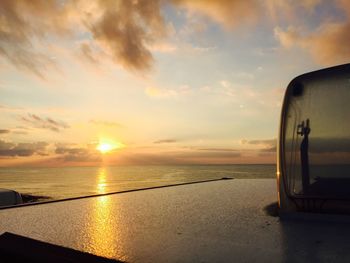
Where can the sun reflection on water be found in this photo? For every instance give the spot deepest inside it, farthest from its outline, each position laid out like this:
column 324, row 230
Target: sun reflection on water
column 104, row 230
column 101, row 180
column 104, row 226
column 101, row 230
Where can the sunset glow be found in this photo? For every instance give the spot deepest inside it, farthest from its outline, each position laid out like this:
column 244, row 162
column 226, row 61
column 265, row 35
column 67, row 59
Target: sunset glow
column 105, row 147
column 108, row 146
column 179, row 82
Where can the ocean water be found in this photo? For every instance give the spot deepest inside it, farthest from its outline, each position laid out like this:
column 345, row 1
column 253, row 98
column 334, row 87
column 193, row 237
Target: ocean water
column 66, row 182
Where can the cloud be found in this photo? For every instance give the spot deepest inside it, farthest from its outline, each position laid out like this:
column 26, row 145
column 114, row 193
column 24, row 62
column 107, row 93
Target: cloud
column 271, row 149
column 163, row 47
column 20, row 130
column 289, row 10
column 88, row 53
column 121, row 30
column 159, row 93
column 64, row 150
column 328, row 44
column 260, row 142
column 10, row 108
column 229, row 13
column 269, row 145
column 22, row 149
column 44, row 123
column 105, row 123
column 244, row 75
column 77, row 154
column 124, row 31
column 310, row 4
column 154, row 92
column 22, row 24
column 239, row 93
column 165, row 141
column 127, row 32
column 218, row 149
column 4, row 131
column 213, row 153
column 194, row 156
column 225, row 83
column 288, row 37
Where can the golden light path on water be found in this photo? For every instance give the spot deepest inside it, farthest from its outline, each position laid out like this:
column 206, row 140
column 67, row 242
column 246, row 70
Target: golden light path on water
column 101, row 180
column 104, row 228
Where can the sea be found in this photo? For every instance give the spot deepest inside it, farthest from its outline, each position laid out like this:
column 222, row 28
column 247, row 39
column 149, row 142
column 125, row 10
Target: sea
column 69, row 182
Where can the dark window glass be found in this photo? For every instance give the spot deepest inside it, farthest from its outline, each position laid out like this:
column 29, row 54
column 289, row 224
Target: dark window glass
column 317, row 136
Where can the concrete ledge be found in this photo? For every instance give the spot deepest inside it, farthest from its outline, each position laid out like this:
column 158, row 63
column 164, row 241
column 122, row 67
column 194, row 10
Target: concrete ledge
column 222, row 221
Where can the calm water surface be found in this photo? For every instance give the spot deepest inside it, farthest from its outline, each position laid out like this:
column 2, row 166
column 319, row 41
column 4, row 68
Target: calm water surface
column 67, row 182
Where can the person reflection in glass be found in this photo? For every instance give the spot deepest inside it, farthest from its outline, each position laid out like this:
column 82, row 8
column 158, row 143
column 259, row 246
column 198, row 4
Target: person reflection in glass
column 304, row 130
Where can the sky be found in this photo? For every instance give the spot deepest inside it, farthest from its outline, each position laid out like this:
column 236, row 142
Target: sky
column 134, row 82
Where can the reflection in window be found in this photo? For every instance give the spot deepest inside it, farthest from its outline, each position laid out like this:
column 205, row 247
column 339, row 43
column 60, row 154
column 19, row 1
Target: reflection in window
column 317, row 138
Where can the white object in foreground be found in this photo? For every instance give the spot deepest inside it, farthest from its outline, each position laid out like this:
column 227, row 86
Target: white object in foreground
column 9, row 197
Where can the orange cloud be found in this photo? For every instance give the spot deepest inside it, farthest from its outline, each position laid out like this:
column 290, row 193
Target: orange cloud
column 128, row 31
column 327, row 45
column 229, row 13
column 120, row 28
column 22, row 24
column 124, row 31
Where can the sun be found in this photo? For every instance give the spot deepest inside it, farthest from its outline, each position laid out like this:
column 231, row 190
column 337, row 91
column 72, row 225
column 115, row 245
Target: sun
column 108, row 146
column 104, row 147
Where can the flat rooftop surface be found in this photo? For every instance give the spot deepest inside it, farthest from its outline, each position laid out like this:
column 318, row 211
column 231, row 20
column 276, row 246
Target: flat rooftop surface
column 222, row 221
